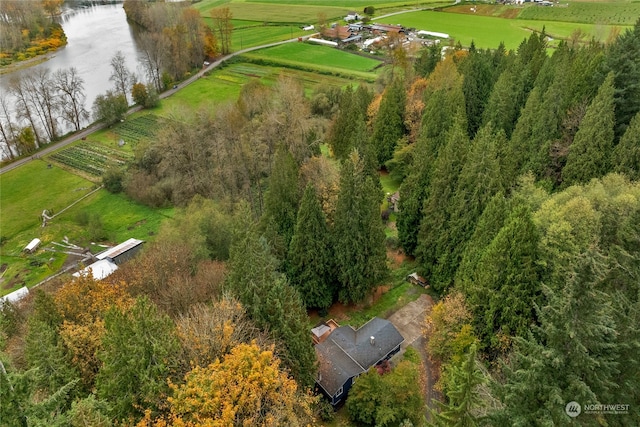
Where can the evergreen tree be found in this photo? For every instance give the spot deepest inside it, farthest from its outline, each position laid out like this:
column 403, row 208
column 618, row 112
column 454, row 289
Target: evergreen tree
column 447, row 168
column 310, row 256
column 358, row 233
column 139, row 354
column 270, row 301
column 444, row 99
column 389, row 122
column 281, row 198
column 428, row 60
column 462, row 393
column 490, row 223
column 589, row 154
column 571, row 356
column 622, row 59
column 507, row 280
column 479, row 180
column 44, row 349
column 478, row 82
column 626, row 155
column 351, row 116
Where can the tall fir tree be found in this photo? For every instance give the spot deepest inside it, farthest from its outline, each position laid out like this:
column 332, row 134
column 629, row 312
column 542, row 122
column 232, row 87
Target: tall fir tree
column 310, row 259
column 444, row 99
column 506, row 282
column 571, row 356
column 349, row 119
column 626, row 155
column 591, row 148
column 479, row 180
column 358, row 234
column 435, row 215
column 478, row 81
column 269, row 299
column 139, row 353
column 622, row 58
column 281, row 199
column 462, row 393
column 389, row 122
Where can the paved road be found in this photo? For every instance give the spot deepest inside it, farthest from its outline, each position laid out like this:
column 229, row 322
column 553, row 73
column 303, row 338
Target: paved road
column 97, row 126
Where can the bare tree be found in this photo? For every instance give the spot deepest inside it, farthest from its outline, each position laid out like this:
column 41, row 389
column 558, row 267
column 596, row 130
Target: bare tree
column 151, row 45
column 44, row 100
column 18, row 88
column 222, row 24
column 70, row 87
column 120, row 74
column 8, row 130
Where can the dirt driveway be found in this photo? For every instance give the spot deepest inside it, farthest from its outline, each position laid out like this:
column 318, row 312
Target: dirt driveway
column 409, row 321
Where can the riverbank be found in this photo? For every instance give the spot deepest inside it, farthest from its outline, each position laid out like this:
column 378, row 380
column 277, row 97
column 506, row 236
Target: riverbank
column 38, row 51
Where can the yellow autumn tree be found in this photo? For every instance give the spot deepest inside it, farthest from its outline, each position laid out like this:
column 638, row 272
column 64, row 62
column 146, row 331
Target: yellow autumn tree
column 246, row 388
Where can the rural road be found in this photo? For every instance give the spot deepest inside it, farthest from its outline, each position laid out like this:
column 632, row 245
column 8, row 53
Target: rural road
column 97, row 126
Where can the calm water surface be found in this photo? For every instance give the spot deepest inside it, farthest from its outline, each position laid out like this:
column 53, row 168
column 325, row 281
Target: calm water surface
column 94, row 35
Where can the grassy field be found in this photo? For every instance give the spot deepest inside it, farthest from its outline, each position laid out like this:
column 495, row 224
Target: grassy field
column 112, row 218
column 318, row 58
column 605, row 13
column 489, row 31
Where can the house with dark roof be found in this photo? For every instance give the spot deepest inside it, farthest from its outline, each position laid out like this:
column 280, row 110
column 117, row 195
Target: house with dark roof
column 346, row 353
column 122, row 252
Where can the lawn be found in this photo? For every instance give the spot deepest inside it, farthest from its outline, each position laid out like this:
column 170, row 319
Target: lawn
column 489, row 31
column 290, row 13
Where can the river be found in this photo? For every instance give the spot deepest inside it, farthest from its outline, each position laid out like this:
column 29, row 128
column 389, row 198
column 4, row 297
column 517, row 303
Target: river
column 94, row 34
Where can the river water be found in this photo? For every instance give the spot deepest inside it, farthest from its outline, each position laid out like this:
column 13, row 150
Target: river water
column 94, row 34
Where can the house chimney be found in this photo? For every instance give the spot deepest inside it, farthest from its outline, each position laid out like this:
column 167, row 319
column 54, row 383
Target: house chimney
column 372, row 340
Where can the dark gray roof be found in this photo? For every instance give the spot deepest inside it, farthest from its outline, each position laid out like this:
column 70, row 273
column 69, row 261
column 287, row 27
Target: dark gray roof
column 348, row 352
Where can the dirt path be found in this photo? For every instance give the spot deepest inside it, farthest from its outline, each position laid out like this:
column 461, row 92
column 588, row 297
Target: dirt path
column 409, row 320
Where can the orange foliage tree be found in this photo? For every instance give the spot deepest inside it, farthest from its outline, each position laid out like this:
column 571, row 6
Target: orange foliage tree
column 246, row 388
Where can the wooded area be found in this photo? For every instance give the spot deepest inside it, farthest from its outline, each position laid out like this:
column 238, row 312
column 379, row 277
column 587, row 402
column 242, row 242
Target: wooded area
column 519, row 200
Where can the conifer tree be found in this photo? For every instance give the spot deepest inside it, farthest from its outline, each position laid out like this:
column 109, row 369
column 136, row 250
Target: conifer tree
column 462, row 393
column 478, row 82
column 350, row 117
column 389, row 122
column 571, row 356
column 281, row 198
column 626, row 155
column 444, row 99
column 591, row 148
column 622, row 59
column 506, row 281
column 479, row 180
column 269, row 299
column 358, row 233
column 139, row 354
column 447, row 168
column 309, row 262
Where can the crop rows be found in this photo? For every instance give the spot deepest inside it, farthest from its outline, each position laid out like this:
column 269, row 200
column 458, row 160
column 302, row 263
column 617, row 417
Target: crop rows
column 134, row 130
column 89, row 158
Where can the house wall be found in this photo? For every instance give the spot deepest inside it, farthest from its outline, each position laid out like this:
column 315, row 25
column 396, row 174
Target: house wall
column 336, row 400
column 126, row 256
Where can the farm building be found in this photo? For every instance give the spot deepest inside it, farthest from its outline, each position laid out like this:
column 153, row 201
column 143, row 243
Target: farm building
column 346, row 353
column 433, row 34
column 321, row 41
column 99, row 269
column 339, row 32
column 122, row 252
column 353, row 16
column 387, row 28
column 15, row 296
column 32, row 246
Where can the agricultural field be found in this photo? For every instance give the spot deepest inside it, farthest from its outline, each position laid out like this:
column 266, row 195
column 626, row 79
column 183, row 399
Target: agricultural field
column 264, row 34
column 604, row 13
column 89, row 158
column 489, row 31
column 225, row 83
column 317, row 58
column 134, row 130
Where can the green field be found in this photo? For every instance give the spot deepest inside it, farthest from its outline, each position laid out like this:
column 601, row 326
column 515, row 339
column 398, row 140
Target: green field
column 609, row 13
column 323, row 59
column 489, row 31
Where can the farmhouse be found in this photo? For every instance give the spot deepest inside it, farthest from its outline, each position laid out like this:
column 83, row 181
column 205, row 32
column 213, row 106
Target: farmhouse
column 346, row 353
column 122, row 252
column 352, row 16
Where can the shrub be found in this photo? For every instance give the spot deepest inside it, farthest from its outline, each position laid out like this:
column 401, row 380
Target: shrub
column 369, row 10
